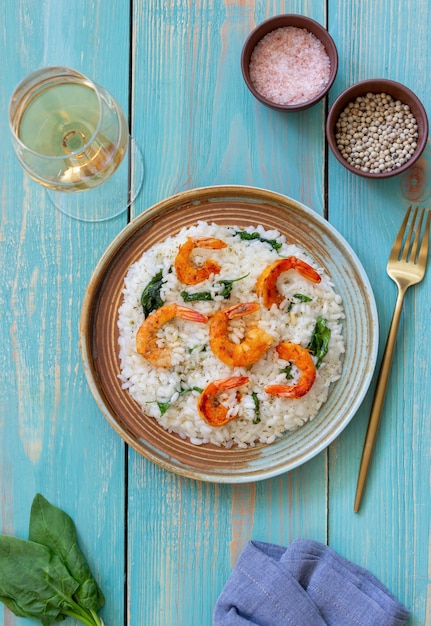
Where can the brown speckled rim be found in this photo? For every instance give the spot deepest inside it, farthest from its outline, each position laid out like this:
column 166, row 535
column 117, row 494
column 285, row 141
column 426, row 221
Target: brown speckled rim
column 297, row 21
column 398, row 92
column 240, row 206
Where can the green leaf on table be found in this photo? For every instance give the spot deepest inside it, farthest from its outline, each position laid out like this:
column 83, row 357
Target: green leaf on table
column 34, row 582
column 53, row 528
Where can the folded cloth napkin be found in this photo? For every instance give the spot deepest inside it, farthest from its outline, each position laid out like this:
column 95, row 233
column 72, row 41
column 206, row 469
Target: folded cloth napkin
column 306, row 584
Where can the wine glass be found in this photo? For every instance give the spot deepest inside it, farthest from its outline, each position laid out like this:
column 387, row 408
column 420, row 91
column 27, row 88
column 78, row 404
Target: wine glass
column 71, row 136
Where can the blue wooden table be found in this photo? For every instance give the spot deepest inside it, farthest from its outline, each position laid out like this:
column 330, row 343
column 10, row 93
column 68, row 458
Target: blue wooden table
column 162, row 546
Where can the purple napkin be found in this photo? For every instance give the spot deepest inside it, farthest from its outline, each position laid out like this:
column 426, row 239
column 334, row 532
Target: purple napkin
column 306, row 584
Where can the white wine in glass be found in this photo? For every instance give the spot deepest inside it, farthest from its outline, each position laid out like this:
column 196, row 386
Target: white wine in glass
column 70, row 135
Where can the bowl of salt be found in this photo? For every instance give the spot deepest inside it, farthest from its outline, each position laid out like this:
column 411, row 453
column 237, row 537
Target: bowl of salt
column 289, row 62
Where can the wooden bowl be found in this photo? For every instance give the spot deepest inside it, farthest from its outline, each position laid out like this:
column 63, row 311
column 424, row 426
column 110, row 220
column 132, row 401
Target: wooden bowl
column 281, row 21
column 377, row 86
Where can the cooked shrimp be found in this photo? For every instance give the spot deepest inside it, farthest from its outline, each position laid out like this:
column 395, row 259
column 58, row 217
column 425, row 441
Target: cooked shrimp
column 191, row 274
column 253, row 346
column 266, row 286
column 211, row 410
column 146, row 337
column 301, row 357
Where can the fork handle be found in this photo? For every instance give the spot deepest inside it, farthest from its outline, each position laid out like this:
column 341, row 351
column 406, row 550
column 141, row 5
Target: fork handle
column 378, row 400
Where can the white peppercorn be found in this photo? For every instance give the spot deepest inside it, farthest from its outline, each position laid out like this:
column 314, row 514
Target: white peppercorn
column 376, row 133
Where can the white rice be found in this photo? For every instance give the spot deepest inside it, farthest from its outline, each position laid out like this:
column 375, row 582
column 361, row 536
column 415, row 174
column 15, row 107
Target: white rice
column 194, row 364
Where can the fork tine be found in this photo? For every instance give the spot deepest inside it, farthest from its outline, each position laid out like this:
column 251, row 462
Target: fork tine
column 406, row 250
column 423, row 251
column 413, row 253
column 396, row 248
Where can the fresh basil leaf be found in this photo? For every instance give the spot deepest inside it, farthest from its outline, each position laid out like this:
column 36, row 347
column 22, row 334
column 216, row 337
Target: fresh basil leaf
column 196, row 297
column 163, row 406
column 245, row 236
column 34, row 582
column 228, row 286
column 198, row 389
column 301, row 297
column 288, row 371
column 53, row 528
column 256, row 419
column 319, row 342
column 150, row 297
column 225, row 283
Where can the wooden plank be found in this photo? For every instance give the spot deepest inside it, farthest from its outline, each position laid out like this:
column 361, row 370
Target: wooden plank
column 390, row 535
column 185, row 536
column 53, row 438
column 199, row 126
column 197, row 122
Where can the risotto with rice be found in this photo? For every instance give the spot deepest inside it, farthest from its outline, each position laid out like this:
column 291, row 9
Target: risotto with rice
column 170, row 357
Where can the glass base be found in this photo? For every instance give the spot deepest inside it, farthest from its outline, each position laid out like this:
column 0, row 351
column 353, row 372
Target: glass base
column 109, row 199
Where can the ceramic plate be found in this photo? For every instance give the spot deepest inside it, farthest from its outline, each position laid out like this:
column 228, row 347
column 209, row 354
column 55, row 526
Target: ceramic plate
column 239, row 206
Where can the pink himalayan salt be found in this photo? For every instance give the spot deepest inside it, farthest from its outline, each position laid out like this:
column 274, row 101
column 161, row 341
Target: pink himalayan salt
column 289, row 66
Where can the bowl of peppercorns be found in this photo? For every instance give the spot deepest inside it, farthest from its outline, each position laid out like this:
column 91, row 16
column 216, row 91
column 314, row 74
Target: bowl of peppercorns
column 377, row 128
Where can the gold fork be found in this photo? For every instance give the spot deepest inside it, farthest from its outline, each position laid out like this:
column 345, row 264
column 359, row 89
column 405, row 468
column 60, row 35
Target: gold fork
column 406, row 266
